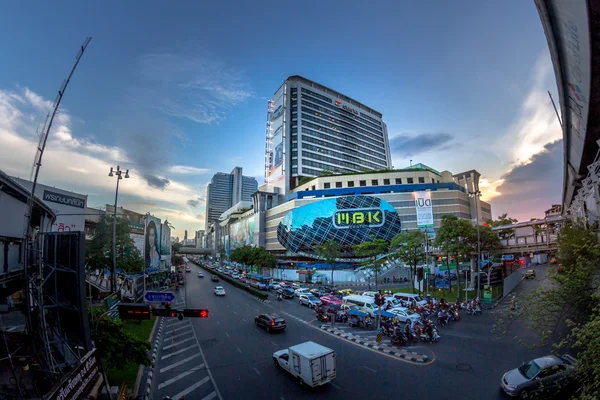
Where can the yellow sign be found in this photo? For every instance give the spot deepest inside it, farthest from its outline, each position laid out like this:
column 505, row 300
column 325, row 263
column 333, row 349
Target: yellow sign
column 370, row 217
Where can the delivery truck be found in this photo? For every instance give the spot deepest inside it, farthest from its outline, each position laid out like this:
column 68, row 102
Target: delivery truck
column 309, row 362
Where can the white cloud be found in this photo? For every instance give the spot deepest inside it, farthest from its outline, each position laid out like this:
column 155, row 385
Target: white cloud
column 78, row 163
column 187, row 170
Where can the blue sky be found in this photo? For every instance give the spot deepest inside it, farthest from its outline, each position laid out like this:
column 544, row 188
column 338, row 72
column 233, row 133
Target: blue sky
column 177, row 91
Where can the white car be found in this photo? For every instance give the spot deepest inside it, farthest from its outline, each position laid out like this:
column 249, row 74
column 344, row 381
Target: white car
column 309, row 300
column 219, row 291
column 370, row 294
column 404, row 314
column 235, row 275
column 301, row 291
column 200, row 275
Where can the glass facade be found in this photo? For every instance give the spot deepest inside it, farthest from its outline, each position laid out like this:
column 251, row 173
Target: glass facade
column 348, row 220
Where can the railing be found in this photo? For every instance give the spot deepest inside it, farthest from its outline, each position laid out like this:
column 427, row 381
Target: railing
column 531, row 241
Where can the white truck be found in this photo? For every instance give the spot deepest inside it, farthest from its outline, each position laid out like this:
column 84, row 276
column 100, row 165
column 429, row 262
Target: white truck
column 309, row 362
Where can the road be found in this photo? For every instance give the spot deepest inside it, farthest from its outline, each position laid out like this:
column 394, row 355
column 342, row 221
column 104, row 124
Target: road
column 226, row 357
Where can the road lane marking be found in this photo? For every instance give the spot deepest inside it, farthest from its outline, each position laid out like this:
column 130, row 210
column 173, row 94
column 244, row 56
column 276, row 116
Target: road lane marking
column 210, row 396
column 370, row 369
column 181, row 376
column 238, row 349
column 177, row 323
column 227, row 334
column 256, row 309
column 303, row 337
column 192, row 388
column 177, row 343
column 218, row 323
column 273, row 343
column 167, row 336
column 335, row 386
column 177, row 352
column 257, row 371
column 244, row 319
column 180, row 328
column 178, row 363
column 235, row 312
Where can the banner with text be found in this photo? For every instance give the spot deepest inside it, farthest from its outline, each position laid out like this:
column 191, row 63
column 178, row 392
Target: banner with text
column 424, row 208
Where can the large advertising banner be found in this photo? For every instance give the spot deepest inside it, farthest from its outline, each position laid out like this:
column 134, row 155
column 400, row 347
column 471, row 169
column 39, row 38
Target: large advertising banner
column 241, row 233
column 424, row 208
column 275, row 135
column 136, row 221
column 348, row 220
column 68, row 206
column 152, row 243
column 165, row 239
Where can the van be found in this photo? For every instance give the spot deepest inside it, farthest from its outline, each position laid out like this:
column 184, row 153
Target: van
column 364, row 303
column 409, row 297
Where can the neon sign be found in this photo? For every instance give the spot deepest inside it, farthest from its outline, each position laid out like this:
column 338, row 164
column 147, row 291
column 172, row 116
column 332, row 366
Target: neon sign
column 360, row 217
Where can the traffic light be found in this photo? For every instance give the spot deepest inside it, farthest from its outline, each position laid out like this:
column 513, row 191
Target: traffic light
column 134, row 311
column 194, row 313
column 164, row 312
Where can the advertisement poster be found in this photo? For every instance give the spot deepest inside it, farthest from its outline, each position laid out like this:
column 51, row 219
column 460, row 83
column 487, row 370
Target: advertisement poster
column 165, row 240
column 241, row 233
column 424, row 208
column 136, row 221
column 68, row 206
column 275, row 135
column 152, row 245
column 138, row 241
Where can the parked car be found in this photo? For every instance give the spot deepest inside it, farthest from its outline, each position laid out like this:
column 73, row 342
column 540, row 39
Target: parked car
column 214, row 278
column 271, row 322
column 309, row 300
column 287, row 292
column 319, row 292
column 301, row 291
column 548, row 373
column 219, row 291
column 530, row 274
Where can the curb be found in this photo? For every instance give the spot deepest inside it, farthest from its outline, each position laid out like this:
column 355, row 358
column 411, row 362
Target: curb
column 138, row 380
column 154, row 352
column 404, row 354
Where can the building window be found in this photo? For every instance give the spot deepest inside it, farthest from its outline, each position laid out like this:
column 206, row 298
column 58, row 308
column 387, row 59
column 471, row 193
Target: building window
column 313, row 187
column 386, row 181
column 432, row 180
column 338, row 184
column 398, row 181
column 350, row 183
column 327, row 185
column 421, row 179
column 363, row 183
column 438, row 181
column 409, row 180
column 374, row 182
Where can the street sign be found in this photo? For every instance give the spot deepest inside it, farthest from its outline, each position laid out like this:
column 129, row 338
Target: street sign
column 507, row 257
column 159, row 297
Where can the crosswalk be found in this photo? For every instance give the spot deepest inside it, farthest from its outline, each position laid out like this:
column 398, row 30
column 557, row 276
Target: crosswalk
column 181, row 368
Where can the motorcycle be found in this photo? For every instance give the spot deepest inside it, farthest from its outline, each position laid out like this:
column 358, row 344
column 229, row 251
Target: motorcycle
column 475, row 311
column 399, row 339
column 323, row 317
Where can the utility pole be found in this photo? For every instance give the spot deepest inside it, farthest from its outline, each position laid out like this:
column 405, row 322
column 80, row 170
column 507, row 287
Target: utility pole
column 113, row 273
column 476, row 195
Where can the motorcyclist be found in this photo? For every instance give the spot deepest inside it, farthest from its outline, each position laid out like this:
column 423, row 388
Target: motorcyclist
column 279, row 295
column 429, row 330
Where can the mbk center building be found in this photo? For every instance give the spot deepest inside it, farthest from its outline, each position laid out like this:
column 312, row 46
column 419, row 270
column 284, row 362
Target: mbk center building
column 328, row 175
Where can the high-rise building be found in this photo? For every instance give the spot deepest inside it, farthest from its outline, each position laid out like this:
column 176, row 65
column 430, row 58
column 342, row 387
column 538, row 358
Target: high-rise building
column 185, row 235
column 313, row 131
column 226, row 190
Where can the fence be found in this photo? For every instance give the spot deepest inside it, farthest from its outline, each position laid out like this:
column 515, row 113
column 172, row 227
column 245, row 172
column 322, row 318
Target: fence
column 512, row 281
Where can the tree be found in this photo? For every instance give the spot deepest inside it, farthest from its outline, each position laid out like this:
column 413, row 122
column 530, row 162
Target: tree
column 262, row 258
column 175, row 248
column 372, row 250
column 504, row 219
column 455, row 236
column 178, row 260
column 330, row 251
column 98, row 253
column 117, row 347
column 565, row 310
column 409, row 248
column 242, row 255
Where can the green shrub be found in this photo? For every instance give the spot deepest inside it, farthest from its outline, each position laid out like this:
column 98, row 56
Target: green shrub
column 258, row 293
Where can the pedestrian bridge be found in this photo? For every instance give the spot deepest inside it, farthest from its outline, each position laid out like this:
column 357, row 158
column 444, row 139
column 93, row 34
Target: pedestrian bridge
column 530, row 236
column 194, row 250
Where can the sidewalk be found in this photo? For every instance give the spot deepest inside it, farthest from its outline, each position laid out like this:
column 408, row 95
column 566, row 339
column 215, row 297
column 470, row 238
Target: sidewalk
column 384, row 348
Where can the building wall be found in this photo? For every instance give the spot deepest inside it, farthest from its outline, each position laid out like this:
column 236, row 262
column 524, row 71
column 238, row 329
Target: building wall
column 225, row 190
column 444, row 202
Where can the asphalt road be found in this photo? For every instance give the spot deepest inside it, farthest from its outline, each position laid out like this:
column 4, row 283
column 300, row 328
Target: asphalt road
column 235, row 361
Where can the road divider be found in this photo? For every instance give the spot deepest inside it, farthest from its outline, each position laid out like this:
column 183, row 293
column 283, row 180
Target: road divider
column 254, row 292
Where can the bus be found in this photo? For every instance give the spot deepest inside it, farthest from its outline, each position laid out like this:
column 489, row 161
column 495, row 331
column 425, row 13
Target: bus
column 258, row 281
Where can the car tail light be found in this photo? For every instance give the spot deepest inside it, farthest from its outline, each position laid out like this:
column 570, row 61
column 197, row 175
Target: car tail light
column 272, row 322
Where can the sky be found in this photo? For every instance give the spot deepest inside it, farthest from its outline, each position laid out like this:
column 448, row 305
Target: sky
column 177, row 91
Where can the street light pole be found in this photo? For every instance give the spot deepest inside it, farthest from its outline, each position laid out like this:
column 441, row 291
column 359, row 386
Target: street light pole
column 113, row 273
column 477, row 194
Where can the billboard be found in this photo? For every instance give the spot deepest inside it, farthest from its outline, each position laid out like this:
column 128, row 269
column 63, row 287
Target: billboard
column 424, row 208
column 136, row 221
column 349, row 220
column 276, row 136
column 68, row 206
column 165, row 239
column 152, row 243
column 241, row 233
